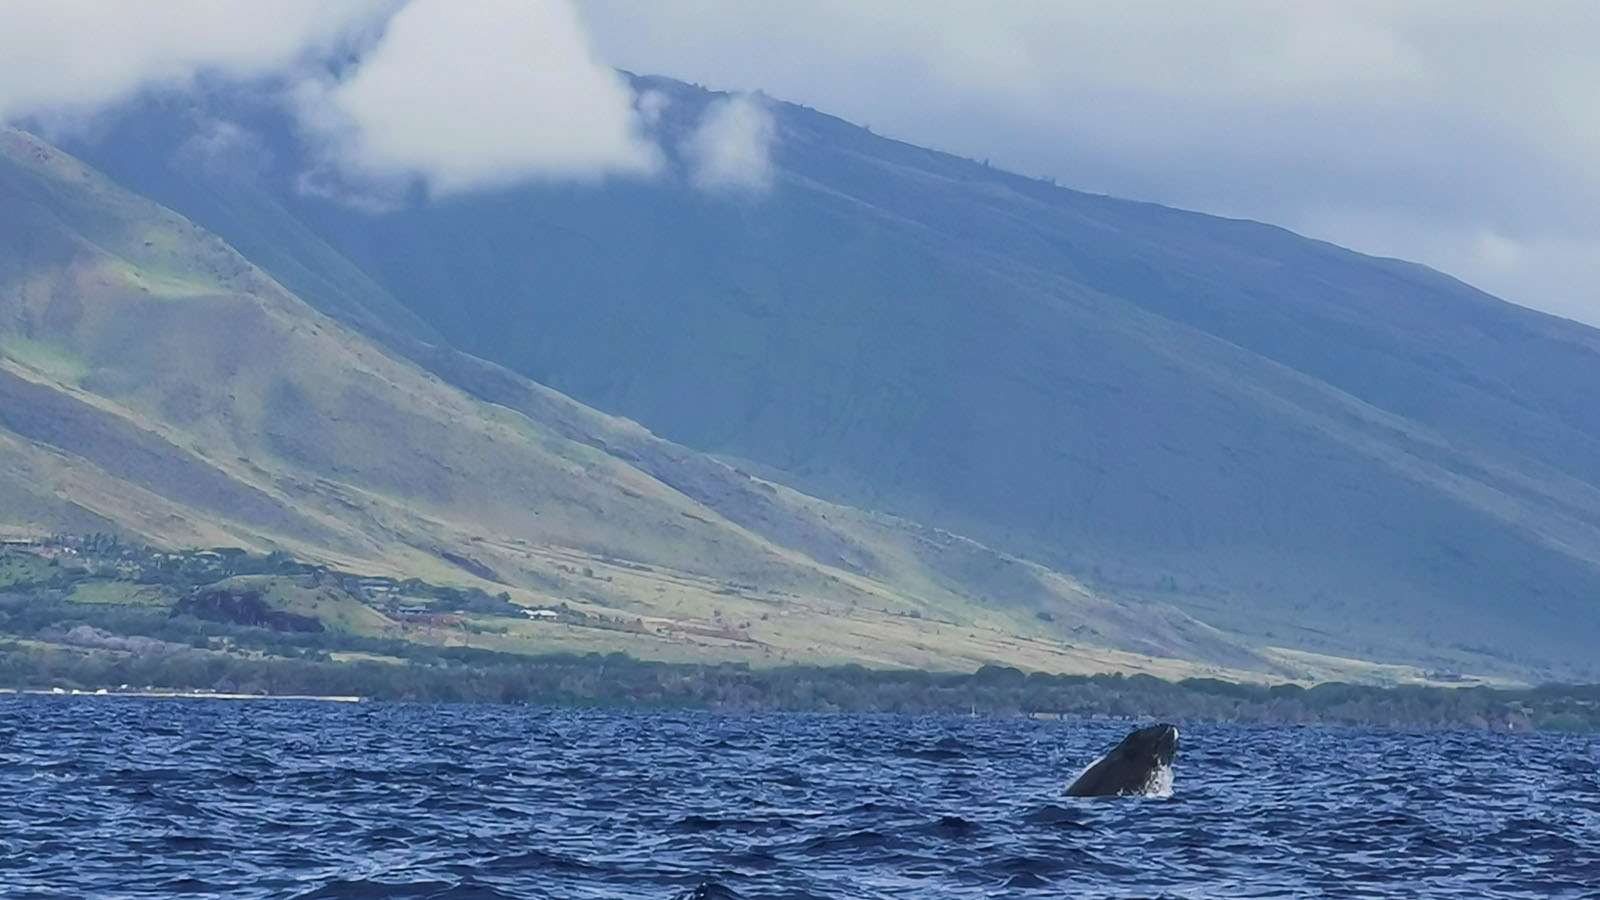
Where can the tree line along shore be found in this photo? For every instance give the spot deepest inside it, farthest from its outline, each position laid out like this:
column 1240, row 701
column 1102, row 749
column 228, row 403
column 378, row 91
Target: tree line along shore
column 615, row 680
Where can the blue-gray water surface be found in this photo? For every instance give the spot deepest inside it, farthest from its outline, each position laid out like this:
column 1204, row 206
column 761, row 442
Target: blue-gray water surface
column 121, row 797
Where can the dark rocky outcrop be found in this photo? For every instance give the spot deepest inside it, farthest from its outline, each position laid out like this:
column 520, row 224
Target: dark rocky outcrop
column 244, row 608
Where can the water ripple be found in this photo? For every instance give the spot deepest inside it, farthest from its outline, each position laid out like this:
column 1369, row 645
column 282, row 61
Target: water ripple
column 124, row 798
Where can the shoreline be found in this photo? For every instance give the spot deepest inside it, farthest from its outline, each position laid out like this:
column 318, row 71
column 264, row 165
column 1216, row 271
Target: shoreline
column 191, row 695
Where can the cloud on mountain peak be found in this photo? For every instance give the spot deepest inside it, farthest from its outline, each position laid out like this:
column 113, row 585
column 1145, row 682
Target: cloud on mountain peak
column 474, row 95
column 730, row 150
column 67, row 58
column 1400, row 127
column 459, row 95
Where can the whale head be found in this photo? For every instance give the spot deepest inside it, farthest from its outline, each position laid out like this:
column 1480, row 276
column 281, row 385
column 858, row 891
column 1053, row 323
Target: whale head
column 1154, row 746
column 1141, row 764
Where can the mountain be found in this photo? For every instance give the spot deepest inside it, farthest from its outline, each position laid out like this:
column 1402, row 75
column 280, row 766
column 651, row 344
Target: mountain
column 156, row 383
column 1294, row 442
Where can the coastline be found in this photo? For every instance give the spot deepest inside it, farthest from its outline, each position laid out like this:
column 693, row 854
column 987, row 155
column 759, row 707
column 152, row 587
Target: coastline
column 193, row 695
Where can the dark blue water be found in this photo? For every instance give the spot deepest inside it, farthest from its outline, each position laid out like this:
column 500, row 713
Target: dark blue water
column 117, row 797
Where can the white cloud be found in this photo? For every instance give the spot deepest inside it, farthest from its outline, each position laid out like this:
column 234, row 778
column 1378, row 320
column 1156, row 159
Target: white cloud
column 68, row 57
column 1421, row 114
column 652, row 105
column 1557, row 269
column 730, row 149
column 481, row 94
column 1498, row 251
column 1461, row 133
column 224, row 149
column 461, row 94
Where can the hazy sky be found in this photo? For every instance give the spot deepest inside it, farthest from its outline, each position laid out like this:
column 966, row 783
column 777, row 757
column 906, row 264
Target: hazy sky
column 1460, row 133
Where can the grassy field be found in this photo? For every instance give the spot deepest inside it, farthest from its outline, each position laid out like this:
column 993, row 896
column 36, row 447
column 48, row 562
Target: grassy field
column 124, row 593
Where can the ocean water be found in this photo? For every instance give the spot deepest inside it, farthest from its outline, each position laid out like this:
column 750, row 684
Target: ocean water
column 119, row 797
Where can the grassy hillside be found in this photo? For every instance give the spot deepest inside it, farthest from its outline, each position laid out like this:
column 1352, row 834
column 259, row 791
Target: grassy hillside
column 156, row 383
column 1323, row 450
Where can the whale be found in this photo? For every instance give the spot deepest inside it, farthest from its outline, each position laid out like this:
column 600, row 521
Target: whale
column 1139, row 766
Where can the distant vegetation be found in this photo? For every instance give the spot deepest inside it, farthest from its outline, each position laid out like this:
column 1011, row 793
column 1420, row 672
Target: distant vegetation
column 617, row 680
column 71, row 561
column 93, row 612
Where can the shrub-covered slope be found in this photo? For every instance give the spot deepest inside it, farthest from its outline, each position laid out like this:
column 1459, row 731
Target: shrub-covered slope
column 155, row 382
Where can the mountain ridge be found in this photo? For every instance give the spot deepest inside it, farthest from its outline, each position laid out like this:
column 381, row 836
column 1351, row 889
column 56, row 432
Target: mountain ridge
column 1324, row 450
column 154, row 382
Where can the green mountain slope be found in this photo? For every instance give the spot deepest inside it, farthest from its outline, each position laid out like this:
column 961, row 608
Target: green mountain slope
column 154, row 382
column 1317, row 448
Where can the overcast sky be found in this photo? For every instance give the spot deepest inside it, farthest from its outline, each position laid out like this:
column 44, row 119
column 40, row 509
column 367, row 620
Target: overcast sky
column 1459, row 133
column 1464, row 134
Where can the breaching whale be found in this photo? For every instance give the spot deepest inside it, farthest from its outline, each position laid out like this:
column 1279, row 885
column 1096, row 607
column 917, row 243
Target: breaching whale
column 1139, row 765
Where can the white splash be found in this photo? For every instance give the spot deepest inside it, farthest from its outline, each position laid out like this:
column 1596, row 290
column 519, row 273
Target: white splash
column 1159, row 784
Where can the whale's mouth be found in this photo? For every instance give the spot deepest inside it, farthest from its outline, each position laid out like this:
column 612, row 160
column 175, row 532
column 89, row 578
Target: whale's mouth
column 1166, row 745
